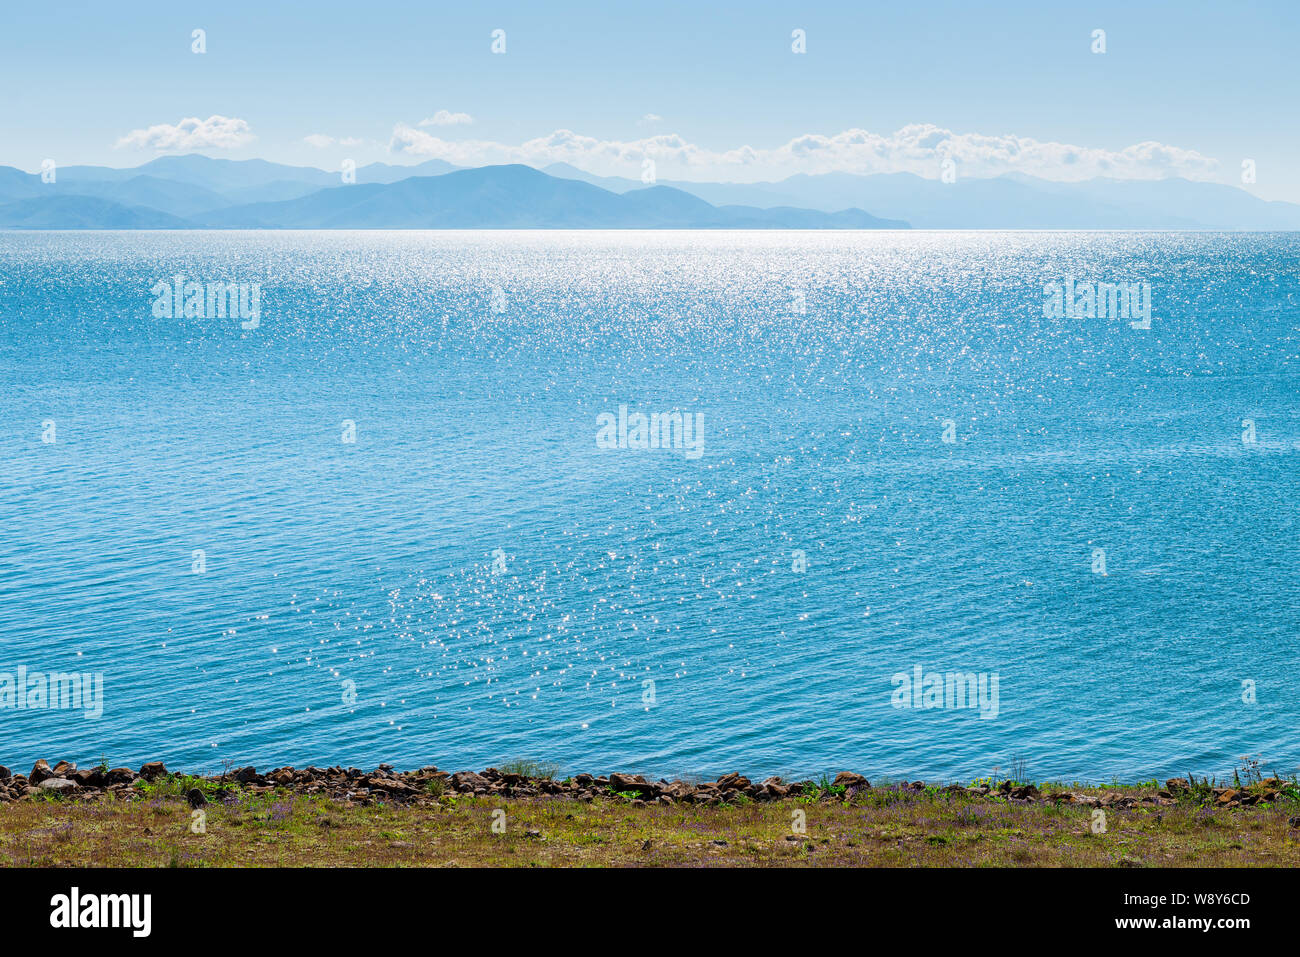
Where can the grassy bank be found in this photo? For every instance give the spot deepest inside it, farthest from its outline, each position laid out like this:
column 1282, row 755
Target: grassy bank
column 155, row 825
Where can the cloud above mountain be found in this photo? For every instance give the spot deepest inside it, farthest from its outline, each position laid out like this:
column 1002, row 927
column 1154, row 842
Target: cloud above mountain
column 321, row 141
column 918, row 148
column 190, row 134
column 447, row 118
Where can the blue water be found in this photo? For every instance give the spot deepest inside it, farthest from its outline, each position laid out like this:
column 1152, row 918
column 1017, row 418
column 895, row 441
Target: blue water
column 824, row 366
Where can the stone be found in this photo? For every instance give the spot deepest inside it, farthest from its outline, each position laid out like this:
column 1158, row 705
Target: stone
column 5, row 773
column 467, row 781
column 634, row 783
column 40, row 772
column 847, row 779
column 248, row 775
column 152, row 769
column 195, row 798
column 733, row 782
column 88, row 777
column 676, row 791
column 58, row 784
column 64, row 769
column 1177, row 784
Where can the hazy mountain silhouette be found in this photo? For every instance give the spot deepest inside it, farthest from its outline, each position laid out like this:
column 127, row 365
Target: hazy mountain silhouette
column 199, row 191
column 1010, row 201
column 518, row 197
column 83, row 212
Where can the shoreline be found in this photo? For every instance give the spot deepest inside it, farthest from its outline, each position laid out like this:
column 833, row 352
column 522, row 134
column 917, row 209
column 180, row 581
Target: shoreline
column 384, row 784
column 288, row 817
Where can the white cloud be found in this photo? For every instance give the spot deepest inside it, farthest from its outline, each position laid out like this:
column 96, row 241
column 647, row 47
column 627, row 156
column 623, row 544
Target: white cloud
column 320, row 141
column 447, row 118
column 650, row 118
column 919, row 148
column 191, row 133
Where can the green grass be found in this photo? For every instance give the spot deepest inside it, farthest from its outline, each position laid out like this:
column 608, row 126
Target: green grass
column 530, row 769
column 877, row 828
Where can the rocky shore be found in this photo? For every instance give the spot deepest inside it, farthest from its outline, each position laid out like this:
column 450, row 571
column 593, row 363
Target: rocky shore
column 429, row 784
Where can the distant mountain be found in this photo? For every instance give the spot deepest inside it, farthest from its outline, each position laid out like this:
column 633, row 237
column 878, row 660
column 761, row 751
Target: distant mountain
column 184, row 186
column 384, row 173
column 196, row 191
column 65, row 211
column 518, row 197
column 1011, row 201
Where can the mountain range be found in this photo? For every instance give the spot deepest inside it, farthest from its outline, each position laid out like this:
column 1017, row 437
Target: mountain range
column 194, row 191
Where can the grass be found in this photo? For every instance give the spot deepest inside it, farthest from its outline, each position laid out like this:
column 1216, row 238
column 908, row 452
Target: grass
column 879, row 828
column 530, row 769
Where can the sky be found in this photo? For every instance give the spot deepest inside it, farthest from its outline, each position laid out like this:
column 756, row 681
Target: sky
column 707, row 91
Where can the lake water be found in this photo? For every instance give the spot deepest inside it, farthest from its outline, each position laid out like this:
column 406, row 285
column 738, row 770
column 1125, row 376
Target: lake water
column 902, row 463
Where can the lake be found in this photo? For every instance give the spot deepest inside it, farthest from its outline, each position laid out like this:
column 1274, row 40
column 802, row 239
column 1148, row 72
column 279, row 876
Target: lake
column 663, row 502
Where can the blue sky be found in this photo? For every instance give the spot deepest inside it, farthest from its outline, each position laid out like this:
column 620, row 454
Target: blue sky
column 709, row 91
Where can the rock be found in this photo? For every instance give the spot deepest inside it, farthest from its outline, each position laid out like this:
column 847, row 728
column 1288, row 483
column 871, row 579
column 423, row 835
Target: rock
column 88, row 777
column 733, row 781
column 120, row 776
column 1229, row 796
column 634, row 783
column 58, row 784
column 64, row 769
column 677, row 791
column 152, row 769
column 248, row 775
column 467, row 781
column 848, row 779
column 40, row 772
column 195, row 797
column 1026, row 792
column 1174, row 785
column 5, row 773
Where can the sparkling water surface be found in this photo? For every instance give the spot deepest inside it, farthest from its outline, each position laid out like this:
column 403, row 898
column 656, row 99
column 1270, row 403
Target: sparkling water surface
column 824, row 364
